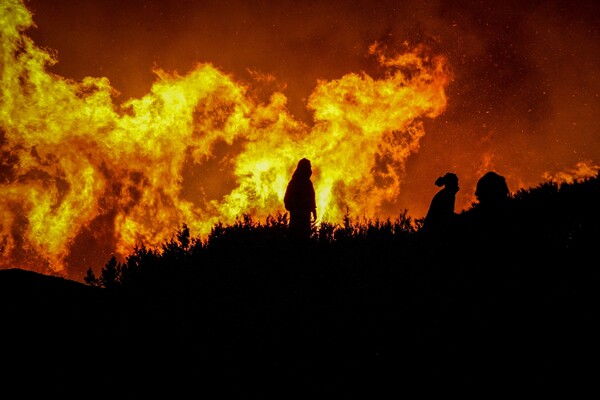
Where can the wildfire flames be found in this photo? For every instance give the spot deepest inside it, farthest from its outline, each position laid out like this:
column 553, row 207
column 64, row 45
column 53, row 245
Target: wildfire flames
column 82, row 174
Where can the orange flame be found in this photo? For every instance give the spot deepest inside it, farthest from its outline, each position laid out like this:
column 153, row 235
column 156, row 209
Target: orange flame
column 583, row 170
column 197, row 149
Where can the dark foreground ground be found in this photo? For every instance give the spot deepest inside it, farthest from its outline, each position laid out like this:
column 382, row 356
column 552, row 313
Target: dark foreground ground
column 308, row 329
column 504, row 303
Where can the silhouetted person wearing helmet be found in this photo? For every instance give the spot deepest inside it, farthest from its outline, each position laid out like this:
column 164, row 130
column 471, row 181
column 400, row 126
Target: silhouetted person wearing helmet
column 489, row 228
column 492, row 191
column 441, row 210
column 493, row 195
column 299, row 200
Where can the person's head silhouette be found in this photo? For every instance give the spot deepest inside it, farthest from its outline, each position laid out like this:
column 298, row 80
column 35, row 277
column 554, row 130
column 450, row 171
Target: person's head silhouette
column 303, row 169
column 492, row 189
column 449, row 181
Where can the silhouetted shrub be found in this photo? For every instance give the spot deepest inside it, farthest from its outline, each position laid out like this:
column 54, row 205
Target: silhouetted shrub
column 373, row 300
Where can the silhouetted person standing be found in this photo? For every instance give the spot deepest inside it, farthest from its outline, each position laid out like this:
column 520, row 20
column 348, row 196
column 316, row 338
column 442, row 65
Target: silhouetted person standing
column 441, row 209
column 299, row 200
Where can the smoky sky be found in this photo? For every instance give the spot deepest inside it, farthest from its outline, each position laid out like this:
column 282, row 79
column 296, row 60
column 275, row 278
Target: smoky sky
column 524, row 99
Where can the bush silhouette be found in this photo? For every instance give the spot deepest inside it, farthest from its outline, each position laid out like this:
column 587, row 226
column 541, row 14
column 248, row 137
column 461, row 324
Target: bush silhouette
column 373, row 300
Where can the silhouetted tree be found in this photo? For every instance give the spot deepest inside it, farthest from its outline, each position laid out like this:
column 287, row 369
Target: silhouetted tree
column 111, row 274
column 90, row 278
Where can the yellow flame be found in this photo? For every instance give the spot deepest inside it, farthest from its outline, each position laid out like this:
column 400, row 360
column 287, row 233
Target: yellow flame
column 582, row 171
column 71, row 156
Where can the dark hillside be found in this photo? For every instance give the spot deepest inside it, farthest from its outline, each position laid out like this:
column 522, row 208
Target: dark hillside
column 46, row 323
column 503, row 300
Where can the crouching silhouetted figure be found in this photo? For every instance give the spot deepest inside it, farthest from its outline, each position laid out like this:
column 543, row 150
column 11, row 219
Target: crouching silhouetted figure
column 299, row 200
column 441, row 210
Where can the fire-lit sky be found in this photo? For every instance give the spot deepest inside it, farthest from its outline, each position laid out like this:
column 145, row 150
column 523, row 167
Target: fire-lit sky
column 157, row 113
